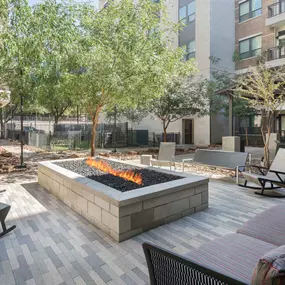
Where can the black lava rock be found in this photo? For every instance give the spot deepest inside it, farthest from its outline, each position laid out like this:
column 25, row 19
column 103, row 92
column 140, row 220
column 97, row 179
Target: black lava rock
column 150, row 177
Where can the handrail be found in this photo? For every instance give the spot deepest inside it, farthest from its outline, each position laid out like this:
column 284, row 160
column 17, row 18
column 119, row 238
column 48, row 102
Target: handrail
column 276, row 53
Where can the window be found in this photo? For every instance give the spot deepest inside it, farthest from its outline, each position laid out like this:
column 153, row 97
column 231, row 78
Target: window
column 256, row 8
column 191, row 50
column 244, row 11
column 250, row 47
column 191, row 11
column 187, row 13
column 182, row 14
column 249, row 9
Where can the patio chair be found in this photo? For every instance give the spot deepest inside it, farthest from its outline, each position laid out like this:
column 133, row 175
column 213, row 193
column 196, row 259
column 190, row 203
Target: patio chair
column 168, row 268
column 166, row 155
column 4, row 210
column 267, row 179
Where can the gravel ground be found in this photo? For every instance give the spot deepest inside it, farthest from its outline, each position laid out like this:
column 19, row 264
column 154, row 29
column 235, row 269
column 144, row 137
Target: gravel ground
column 150, row 177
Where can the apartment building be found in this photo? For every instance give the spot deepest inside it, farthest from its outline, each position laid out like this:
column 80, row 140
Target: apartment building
column 260, row 31
column 209, row 31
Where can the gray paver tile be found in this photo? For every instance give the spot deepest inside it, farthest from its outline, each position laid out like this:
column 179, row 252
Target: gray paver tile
column 54, row 245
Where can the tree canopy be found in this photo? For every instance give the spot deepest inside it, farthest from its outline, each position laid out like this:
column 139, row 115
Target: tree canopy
column 264, row 88
column 38, row 45
column 61, row 54
column 182, row 97
column 127, row 55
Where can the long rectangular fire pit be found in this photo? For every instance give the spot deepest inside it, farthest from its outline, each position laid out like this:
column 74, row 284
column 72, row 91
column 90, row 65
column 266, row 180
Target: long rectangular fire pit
column 122, row 208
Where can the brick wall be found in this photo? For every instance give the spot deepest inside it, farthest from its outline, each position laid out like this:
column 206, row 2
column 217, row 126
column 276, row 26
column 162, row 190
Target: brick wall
column 251, row 27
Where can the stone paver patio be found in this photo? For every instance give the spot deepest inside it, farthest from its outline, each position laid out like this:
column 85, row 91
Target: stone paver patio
column 52, row 244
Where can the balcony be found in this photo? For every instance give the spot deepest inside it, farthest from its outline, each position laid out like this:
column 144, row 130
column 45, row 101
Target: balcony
column 276, row 14
column 276, row 56
column 190, row 55
column 276, row 53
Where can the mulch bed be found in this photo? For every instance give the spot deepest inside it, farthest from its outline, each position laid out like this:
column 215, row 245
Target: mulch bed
column 133, row 155
column 8, row 162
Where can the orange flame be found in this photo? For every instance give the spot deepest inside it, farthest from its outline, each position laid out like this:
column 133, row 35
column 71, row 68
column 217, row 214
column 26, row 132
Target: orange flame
column 105, row 167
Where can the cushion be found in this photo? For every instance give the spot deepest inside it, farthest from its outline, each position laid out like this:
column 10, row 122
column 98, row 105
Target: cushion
column 270, row 269
column 252, row 177
column 269, row 226
column 234, row 255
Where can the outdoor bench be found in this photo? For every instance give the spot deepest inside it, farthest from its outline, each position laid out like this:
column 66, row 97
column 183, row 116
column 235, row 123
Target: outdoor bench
column 218, row 158
column 254, row 255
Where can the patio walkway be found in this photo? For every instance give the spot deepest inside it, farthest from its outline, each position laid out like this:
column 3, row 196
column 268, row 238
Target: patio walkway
column 54, row 245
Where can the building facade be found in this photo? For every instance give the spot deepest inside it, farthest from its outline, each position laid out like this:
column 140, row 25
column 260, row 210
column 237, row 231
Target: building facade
column 204, row 36
column 209, row 31
column 260, row 31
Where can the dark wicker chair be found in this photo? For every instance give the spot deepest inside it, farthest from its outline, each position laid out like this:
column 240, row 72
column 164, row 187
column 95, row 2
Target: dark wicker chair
column 166, row 268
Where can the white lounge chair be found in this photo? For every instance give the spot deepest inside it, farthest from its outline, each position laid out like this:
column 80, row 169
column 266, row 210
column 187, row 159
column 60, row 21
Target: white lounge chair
column 166, row 155
column 275, row 176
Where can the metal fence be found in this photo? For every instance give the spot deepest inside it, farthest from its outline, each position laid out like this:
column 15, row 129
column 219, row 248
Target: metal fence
column 78, row 136
column 138, row 137
column 156, row 138
column 39, row 140
column 106, row 134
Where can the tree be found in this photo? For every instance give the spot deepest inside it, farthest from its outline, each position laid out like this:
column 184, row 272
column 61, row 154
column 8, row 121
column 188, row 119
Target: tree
column 56, row 90
column 132, row 114
column 182, row 97
column 55, row 94
column 243, row 110
column 127, row 55
column 220, row 79
column 36, row 55
column 20, row 48
column 264, row 89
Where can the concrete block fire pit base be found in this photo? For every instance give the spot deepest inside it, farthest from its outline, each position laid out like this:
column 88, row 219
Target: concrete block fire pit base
column 122, row 215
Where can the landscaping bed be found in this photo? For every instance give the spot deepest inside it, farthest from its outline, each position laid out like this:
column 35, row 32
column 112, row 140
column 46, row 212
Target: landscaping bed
column 8, row 161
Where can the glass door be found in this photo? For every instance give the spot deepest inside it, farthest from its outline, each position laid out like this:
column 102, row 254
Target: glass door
column 281, row 43
column 282, row 126
column 189, row 131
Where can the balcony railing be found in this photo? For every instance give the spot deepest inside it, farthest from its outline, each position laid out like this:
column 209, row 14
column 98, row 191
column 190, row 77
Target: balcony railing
column 190, row 55
column 276, row 53
column 276, row 9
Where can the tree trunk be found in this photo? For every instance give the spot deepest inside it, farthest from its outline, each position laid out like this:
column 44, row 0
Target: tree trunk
column 266, row 149
column 246, row 136
column 265, row 129
column 1, row 124
column 164, row 131
column 266, row 156
column 56, row 119
column 95, row 118
column 77, row 114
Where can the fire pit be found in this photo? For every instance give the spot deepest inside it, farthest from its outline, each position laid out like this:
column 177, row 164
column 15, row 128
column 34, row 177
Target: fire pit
column 121, row 198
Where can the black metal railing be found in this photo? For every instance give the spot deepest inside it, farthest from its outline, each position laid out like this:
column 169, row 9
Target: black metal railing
column 276, row 8
column 190, row 55
column 250, row 53
column 276, row 53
